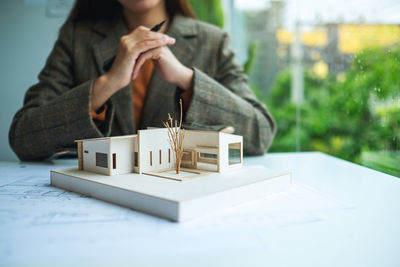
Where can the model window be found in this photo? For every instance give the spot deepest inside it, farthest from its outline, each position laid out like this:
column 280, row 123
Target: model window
column 86, row 151
column 114, row 161
column 160, row 157
column 151, row 158
column 136, row 159
column 169, row 155
column 234, row 153
column 101, row 160
column 208, row 156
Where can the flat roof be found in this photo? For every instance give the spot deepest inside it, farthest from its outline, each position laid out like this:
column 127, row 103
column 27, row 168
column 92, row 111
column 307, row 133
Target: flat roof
column 133, row 135
column 107, row 138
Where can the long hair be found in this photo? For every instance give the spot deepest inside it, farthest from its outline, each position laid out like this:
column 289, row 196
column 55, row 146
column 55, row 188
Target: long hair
column 107, row 9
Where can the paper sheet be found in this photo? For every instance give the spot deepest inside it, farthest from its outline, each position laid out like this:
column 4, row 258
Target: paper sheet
column 36, row 218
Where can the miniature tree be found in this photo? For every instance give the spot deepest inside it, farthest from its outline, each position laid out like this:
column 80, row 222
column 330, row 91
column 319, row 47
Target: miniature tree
column 176, row 135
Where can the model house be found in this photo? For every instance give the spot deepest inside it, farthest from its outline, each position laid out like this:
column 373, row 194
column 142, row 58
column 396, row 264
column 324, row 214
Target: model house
column 146, row 178
column 150, row 152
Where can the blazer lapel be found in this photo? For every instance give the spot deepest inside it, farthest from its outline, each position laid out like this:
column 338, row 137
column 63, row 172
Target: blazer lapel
column 104, row 51
column 162, row 97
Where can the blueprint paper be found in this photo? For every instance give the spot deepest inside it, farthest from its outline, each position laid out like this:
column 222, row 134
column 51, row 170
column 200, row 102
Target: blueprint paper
column 43, row 224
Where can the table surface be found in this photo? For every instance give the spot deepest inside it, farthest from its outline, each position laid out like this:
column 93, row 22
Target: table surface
column 336, row 214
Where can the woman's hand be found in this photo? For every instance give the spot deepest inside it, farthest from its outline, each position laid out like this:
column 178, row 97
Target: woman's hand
column 167, row 66
column 131, row 46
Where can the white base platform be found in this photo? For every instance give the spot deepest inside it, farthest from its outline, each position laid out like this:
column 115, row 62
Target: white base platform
column 175, row 200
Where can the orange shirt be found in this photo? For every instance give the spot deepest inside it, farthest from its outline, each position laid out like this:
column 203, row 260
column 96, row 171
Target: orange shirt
column 139, row 90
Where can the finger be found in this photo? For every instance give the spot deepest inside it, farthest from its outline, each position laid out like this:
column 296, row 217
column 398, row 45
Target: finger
column 143, row 33
column 146, row 45
column 151, row 54
column 155, row 35
column 229, row 129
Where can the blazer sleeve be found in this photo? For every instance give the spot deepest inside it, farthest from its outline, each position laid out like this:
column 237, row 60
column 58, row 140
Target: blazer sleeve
column 226, row 100
column 56, row 111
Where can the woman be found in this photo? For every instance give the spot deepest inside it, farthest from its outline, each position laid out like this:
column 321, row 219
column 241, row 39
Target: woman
column 109, row 74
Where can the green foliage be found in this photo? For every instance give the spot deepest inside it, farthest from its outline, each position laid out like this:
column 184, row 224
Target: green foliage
column 209, row 11
column 383, row 161
column 250, row 57
column 344, row 117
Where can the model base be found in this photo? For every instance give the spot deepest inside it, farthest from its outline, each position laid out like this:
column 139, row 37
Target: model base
column 171, row 199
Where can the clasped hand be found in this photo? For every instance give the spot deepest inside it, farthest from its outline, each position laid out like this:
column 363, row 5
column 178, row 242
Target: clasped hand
column 134, row 49
column 140, row 45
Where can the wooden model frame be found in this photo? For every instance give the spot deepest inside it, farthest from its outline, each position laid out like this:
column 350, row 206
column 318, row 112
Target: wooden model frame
column 149, row 152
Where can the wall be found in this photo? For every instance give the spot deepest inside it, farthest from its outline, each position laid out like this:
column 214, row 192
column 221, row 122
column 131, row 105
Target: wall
column 27, row 37
column 89, row 159
column 199, row 138
column 124, row 148
column 224, row 141
column 154, row 140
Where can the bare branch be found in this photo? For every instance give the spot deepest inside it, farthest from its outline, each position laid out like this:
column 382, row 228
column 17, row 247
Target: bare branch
column 176, row 135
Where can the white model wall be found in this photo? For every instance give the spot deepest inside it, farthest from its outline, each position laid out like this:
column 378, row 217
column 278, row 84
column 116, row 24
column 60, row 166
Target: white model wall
column 154, row 140
column 224, row 141
column 124, row 148
column 199, row 138
column 89, row 159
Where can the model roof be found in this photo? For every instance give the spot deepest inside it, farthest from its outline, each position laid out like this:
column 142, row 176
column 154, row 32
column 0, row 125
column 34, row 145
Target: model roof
column 107, row 138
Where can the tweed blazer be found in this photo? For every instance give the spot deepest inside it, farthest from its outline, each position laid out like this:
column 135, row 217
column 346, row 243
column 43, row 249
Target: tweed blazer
column 56, row 110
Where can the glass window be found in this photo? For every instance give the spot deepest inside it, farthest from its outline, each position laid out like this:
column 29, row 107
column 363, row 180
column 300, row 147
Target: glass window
column 234, row 153
column 328, row 72
column 208, row 156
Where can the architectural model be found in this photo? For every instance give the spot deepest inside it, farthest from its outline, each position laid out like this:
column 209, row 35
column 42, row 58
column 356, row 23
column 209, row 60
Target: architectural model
column 169, row 172
column 150, row 153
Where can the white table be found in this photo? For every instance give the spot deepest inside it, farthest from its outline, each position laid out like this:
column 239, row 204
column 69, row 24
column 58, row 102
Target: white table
column 336, row 214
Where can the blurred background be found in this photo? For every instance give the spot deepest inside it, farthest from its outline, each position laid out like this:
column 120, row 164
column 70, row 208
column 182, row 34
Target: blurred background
column 329, row 71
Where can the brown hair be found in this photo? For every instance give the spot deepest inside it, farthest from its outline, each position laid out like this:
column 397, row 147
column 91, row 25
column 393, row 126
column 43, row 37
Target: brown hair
column 107, row 9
